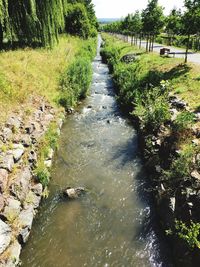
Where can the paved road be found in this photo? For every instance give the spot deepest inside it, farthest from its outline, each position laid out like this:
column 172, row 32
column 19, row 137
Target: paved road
column 180, row 53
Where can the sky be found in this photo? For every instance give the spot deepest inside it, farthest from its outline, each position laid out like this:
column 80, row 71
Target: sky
column 120, row 8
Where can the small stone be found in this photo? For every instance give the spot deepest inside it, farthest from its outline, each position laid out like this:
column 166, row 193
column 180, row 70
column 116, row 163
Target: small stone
column 3, row 179
column 172, row 203
column 48, row 163
column 158, row 169
column 32, row 157
column 7, row 134
column 26, row 140
column 29, row 128
column 37, row 189
column 18, row 153
column 70, row 110
column 73, row 193
column 13, row 123
column 5, row 236
column 12, row 209
column 195, row 174
column 7, row 162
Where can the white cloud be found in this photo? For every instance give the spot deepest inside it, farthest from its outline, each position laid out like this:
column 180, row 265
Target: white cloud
column 120, row 8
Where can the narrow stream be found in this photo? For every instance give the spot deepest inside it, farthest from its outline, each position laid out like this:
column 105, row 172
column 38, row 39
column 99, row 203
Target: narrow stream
column 113, row 224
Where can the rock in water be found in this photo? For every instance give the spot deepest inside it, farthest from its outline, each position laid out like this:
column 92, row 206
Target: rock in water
column 73, row 193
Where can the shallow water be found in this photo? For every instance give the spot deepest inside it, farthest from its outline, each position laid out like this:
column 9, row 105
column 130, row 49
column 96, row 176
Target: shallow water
column 113, row 224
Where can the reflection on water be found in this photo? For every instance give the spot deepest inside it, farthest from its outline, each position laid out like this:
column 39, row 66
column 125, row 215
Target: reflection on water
column 112, row 224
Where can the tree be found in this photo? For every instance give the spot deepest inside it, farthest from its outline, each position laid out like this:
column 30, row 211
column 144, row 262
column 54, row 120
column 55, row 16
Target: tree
column 191, row 21
column 153, row 22
column 135, row 26
column 77, row 21
column 173, row 24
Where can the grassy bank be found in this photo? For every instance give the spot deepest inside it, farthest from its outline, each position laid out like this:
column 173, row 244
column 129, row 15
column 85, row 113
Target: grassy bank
column 29, row 72
column 151, row 69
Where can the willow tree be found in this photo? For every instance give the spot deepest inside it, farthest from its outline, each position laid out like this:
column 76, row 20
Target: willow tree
column 4, row 20
column 32, row 21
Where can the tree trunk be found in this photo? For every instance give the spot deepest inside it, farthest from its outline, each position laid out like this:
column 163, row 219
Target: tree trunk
column 140, row 41
column 152, row 43
column 150, row 40
column 187, row 48
column 1, row 36
column 147, row 43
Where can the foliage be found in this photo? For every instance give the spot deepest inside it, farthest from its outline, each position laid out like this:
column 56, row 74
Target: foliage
column 189, row 233
column 77, row 21
column 184, row 121
column 181, row 167
column 42, row 174
column 76, row 80
column 38, row 22
column 152, row 108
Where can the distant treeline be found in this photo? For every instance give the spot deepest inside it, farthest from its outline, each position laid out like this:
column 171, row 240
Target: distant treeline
column 39, row 22
column 151, row 21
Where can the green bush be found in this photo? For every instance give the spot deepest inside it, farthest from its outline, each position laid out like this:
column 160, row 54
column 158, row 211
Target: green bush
column 189, row 233
column 152, row 108
column 42, row 174
column 181, row 167
column 77, row 21
column 75, row 81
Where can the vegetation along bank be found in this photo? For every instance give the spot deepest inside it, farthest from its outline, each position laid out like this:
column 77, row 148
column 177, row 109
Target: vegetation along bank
column 44, row 72
column 161, row 94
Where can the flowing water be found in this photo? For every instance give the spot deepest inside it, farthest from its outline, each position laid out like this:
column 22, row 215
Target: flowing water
column 113, row 224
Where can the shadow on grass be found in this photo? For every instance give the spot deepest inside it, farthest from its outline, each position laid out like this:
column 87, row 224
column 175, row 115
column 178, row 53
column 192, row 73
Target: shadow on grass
column 18, row 45
column 154, row 77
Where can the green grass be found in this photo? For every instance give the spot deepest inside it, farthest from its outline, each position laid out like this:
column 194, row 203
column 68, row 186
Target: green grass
column 184, row 79
column 28, row 72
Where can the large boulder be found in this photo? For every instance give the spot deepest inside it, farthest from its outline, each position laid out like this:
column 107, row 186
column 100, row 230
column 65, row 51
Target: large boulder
column 73, row 193
column 20, row 186
column 12, row 209
column 129, row 58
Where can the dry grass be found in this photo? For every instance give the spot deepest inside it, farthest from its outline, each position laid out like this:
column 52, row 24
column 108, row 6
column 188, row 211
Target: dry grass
column 27, row 72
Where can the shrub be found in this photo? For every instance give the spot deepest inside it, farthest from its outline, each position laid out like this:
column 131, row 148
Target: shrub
column 75, row 82
column 180, row 170
column 42, row 174
column 77, row 21
column 152, row 108
column 189, row 233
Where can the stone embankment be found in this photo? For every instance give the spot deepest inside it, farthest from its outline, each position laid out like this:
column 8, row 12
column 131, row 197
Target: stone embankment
column 20, row 190
column 174, row 200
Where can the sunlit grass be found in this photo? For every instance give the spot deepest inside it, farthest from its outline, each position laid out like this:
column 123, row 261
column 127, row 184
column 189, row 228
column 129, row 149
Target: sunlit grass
column 184, row 79
column 27, row 72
